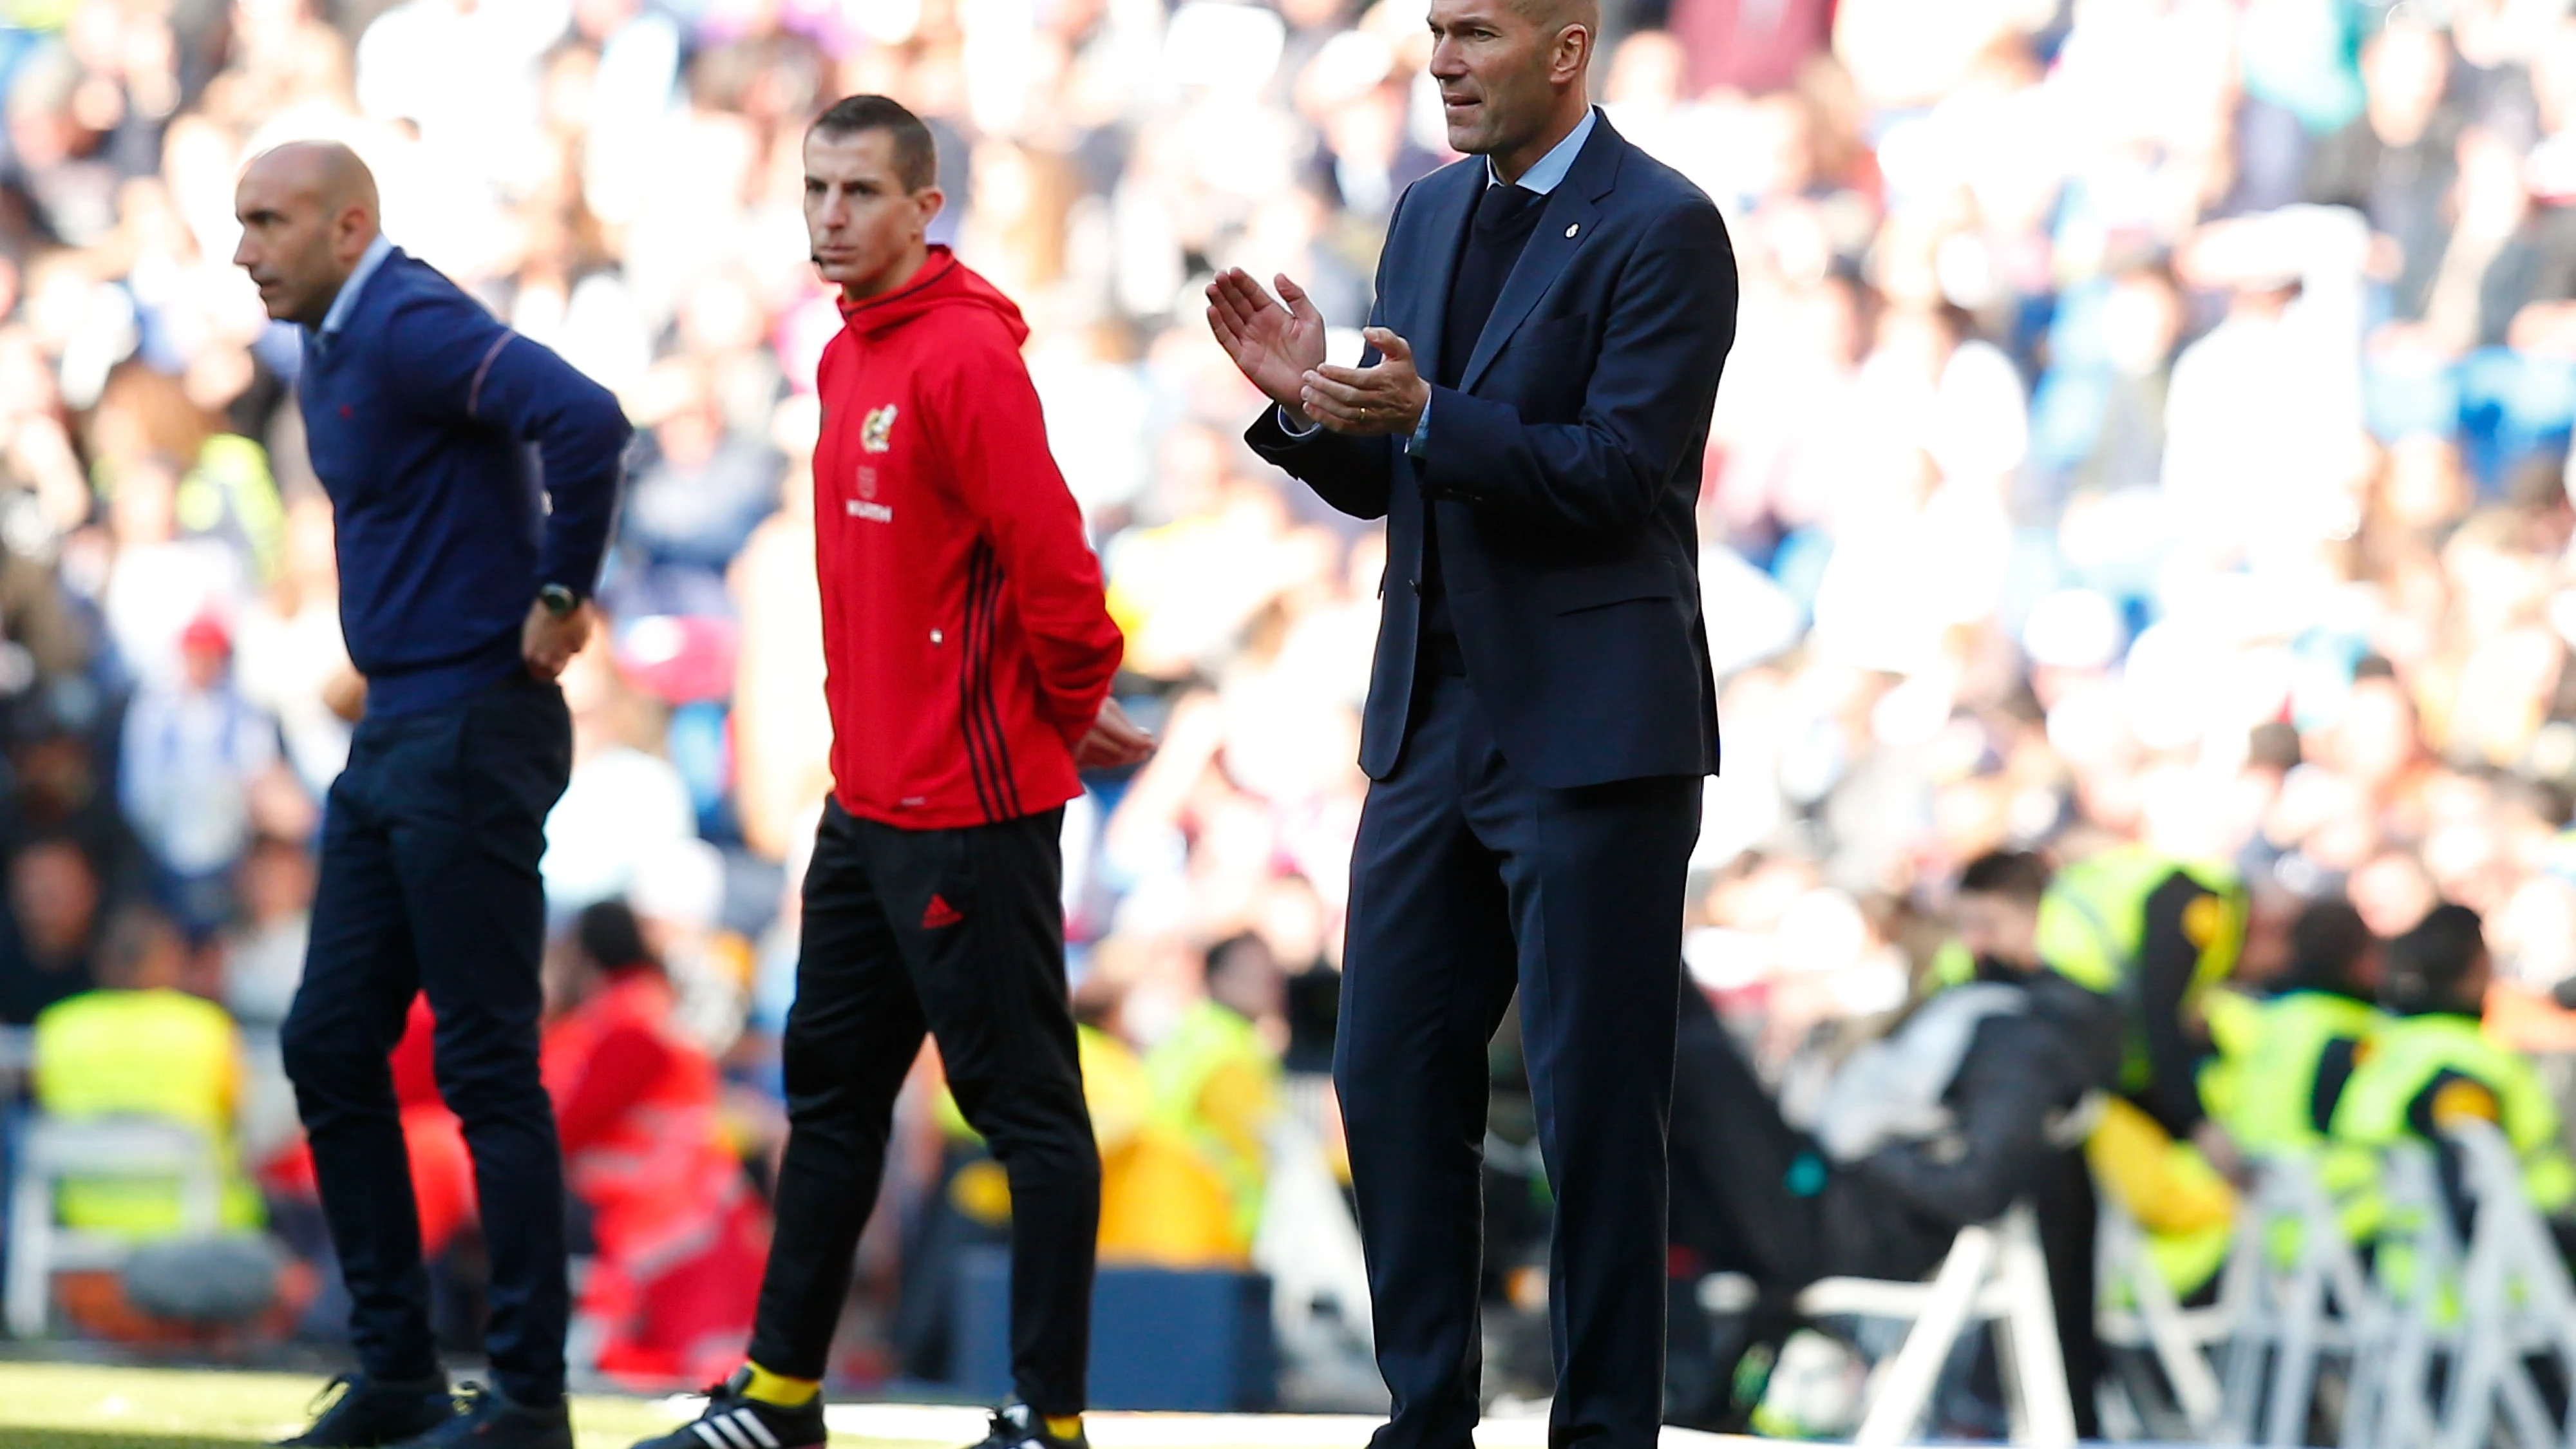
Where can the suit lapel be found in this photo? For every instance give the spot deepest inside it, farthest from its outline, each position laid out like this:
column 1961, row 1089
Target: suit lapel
column 1444, row 226
column 1564, row 227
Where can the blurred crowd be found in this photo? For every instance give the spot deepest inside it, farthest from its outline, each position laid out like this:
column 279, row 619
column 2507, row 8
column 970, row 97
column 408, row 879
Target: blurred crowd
column 2148, row 422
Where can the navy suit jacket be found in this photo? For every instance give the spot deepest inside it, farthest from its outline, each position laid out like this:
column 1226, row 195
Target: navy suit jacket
column 1565, row 468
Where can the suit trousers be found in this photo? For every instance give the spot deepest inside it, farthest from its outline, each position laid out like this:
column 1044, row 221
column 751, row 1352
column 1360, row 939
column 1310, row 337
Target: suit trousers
column 429, row 882
column 1467, row 882
column 960, row 934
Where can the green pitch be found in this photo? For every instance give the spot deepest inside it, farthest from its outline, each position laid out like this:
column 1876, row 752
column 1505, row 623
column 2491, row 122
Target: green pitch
column 52, row 1406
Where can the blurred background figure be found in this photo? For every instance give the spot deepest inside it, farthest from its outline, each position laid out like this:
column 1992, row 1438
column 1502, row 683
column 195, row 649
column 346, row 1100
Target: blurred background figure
column 678, row 1235
column 193, row 750
column 139, row 1046
column 1215, row 1078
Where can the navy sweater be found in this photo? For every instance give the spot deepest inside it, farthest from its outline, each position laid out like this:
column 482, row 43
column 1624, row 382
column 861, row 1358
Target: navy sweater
column 419, row 416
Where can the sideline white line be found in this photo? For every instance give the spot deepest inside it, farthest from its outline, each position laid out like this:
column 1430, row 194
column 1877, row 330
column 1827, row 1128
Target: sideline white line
column 933, row 1423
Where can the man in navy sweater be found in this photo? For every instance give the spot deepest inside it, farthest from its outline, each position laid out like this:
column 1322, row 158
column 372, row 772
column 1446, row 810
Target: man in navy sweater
column 465, row 565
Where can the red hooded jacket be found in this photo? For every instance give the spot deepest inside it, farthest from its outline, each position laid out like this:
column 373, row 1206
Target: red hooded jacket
column 965, row 635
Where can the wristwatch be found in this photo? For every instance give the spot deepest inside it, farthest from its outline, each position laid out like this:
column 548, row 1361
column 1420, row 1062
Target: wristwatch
column 559, row 601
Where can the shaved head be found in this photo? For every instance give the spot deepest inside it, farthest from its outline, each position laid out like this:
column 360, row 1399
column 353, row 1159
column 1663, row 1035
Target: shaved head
column 1557, row 14
column 326, row 170
column 308, row 211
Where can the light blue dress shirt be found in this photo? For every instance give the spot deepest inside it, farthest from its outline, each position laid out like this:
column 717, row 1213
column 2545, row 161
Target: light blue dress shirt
column 347, row 302
column 1544, row 176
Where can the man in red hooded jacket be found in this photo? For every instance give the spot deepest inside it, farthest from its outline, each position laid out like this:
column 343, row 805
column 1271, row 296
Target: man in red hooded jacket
column 970, row 653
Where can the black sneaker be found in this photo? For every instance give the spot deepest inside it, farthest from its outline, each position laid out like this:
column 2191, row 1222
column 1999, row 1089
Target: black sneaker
column 733, row 1421
column 1017, row 1426
column 373, row 1412
column 486, row 1419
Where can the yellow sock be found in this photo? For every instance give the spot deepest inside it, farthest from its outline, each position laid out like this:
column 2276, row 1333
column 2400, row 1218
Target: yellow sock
column 779, row 1389
column 1068, row 1428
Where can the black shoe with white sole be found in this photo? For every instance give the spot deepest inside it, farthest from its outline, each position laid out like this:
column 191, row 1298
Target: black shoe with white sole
column 734, row 1421
column 1018, row 1426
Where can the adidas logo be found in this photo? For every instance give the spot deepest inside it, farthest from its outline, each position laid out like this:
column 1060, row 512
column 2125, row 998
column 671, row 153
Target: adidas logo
column 740, row 1429
column 939, row 914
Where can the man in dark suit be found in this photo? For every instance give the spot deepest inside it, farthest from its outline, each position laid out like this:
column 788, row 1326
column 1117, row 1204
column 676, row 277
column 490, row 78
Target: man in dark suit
column 1552, row 316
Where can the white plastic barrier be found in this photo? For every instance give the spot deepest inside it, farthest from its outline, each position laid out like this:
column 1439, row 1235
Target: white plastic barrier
column 2288, row 1313
column 1995, row 1274
column 52, row 1152
column 2139, row 1310
column 2515, row 1304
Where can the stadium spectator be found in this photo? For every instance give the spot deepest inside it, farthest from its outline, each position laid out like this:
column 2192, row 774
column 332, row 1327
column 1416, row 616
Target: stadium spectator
column 2306, row 1041
column 138, row 1046
column 2431, row 1067
column 1215, row 1079
column 53, row 925
column 1942, row 1124
column 193, row 752
column 262, row 953
column 695, row 501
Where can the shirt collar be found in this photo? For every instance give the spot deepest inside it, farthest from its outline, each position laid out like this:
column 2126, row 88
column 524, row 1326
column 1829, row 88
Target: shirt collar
column 1549, row 170
column 347, row 302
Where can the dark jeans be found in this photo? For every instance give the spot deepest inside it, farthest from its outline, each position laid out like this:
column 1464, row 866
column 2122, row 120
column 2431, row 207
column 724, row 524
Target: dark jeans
column 1468, row 882
column 960, row 934
column 429, row 882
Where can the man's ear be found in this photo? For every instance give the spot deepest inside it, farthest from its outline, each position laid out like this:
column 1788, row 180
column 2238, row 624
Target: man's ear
column 352, row 222
column 1573, row 48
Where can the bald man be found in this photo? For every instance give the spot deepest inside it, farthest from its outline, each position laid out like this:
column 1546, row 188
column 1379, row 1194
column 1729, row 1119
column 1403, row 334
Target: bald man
column 465, row 570
column 1528, row 417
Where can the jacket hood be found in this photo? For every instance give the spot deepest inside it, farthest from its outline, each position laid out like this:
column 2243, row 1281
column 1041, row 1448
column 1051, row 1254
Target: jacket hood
column 942, row 282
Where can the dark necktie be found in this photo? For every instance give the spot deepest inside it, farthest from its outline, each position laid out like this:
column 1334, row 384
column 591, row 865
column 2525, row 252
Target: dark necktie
column 1505, row 217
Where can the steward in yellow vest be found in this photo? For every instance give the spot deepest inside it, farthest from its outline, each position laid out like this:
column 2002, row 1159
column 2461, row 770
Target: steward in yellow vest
column 1161, row 1204
column 1217, row 1082
column 2135, row 928
column 2154, row 933
column 140, row 1048
column 2303, row 1043
column 2433, row 1066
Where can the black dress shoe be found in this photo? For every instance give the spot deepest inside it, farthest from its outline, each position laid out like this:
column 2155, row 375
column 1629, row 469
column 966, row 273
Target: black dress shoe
column 371, row 1412
column 487, row 1419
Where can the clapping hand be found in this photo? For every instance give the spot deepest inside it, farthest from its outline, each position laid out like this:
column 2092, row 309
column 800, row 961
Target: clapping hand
column 1370, row 402
column 1277, row 346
